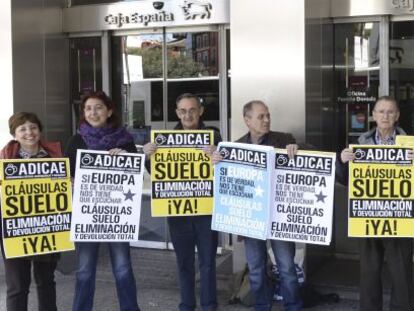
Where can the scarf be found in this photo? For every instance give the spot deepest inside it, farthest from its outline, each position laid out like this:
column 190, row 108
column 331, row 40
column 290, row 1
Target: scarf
column 104, row 138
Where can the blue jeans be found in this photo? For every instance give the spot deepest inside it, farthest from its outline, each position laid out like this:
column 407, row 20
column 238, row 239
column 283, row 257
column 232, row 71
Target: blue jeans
column 256, row 254
column 186, row 233
column 87, row 255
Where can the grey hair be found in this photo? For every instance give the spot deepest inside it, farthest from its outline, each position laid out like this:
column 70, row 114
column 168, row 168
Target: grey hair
column 249, row 106
column 188, row 96
column 388, row 99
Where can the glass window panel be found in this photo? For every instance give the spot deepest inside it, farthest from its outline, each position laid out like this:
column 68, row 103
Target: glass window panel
column 137, row 62
column 402, row 70
column 157, row 112
column 192, row 54
column 143, row 57
column 356, row 78
column 85, row 69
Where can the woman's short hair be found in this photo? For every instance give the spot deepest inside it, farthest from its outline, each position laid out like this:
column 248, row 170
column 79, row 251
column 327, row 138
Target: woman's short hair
column 113, row 120
column 20, row 118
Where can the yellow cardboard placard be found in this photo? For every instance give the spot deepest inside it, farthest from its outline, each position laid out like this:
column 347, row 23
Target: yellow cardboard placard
column 404, row 141
column 181, row 173
column 381, row 192
column 36, row 206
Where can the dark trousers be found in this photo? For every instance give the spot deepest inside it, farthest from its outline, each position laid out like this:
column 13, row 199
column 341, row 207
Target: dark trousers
column 186, row 233
column 18, row 277
column 398, row 256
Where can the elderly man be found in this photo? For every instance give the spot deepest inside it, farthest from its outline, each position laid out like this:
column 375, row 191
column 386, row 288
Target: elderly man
column 190, row 231
column 398, row 252
column 257, row 119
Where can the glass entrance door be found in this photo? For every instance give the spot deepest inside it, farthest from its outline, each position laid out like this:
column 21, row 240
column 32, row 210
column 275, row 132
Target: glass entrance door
column 149, row 71
column 371, row 59
column 137, row 77
column 152, row 70
column 357, row 81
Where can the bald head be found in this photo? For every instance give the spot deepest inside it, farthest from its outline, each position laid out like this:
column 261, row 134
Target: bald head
column 247, row 108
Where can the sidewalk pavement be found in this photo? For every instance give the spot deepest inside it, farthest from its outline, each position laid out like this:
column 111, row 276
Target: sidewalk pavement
column 155, row 272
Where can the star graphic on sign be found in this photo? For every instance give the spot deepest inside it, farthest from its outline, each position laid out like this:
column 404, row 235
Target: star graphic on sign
column 129, row 195
column 259, row 191
column 320, row 197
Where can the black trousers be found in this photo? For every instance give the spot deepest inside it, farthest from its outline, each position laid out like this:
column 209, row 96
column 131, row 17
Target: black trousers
column 18, row 277
column 398, row 256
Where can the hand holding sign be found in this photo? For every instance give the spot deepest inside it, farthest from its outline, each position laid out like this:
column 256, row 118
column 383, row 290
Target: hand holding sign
column 347, row 155
column 149, row 149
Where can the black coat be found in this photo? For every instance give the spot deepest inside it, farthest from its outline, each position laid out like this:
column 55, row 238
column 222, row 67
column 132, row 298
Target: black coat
column 273, row 139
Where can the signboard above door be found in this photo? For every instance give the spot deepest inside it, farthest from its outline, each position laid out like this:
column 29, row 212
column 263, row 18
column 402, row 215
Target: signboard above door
column 145, row 14
column 347, row 8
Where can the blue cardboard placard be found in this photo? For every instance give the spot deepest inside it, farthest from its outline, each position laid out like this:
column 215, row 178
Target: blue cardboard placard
column 243, row 190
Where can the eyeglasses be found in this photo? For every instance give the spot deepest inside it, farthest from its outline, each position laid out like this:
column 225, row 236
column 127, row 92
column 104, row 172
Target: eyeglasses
column 183, row 112
column 390, row 113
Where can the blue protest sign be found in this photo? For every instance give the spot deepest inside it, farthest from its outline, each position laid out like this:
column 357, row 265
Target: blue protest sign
column 242, row 189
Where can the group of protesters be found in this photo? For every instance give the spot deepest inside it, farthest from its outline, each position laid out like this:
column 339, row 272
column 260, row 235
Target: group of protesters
column 100, row 129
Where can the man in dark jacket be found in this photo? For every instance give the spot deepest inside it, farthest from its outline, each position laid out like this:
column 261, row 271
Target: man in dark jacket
column 257, row 119
column 190, row 231
column 397, row 252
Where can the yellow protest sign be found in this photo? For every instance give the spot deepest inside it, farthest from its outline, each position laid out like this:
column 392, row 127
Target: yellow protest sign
column 381, row 192
column 404, row 141
column 181, row 173
column 35, row 206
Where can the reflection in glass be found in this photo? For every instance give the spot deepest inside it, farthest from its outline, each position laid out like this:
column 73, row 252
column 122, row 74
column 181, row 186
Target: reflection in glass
column 85, row 69
column 157, row 113
column 142, row 57
column 356, row 77
column 136, row 63
column 192, row 54
column 402, row 71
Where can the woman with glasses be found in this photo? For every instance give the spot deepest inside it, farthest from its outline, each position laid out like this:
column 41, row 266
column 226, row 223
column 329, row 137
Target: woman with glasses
column 100, row 129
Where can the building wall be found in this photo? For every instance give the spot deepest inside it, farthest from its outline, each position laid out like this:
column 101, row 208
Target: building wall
column 6, row 69
column 40, row 64
column 268, row 62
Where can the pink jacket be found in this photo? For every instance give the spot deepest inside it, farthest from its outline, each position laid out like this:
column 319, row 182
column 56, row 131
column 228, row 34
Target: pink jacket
column 12, row 148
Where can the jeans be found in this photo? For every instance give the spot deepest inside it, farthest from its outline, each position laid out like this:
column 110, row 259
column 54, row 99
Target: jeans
column 87, row 254
column 256, row 254
column 186, row 233
column 18, row 278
